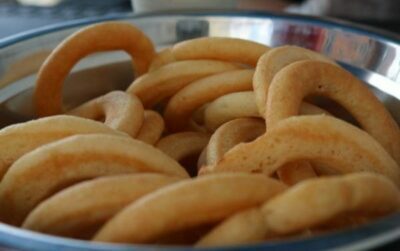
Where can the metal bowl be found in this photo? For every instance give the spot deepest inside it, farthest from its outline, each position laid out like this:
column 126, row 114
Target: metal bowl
column 371, row 55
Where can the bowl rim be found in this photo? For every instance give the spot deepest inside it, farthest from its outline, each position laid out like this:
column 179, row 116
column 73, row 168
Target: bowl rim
column 327, row 22
column 348, row 239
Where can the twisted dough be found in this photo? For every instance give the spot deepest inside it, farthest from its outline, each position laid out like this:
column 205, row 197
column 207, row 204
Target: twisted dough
column 122, row 112
column 70, row 212
column 154, row 86
column 94, row 38
column 301, row 207
column 187, row 204
column 19, row 139
column 54, row 166
column 333, row 142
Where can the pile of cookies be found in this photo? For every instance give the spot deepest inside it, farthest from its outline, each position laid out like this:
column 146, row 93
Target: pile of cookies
column 216, row 142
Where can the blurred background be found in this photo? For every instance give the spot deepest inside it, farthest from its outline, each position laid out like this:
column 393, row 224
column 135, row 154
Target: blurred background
column 21, row 15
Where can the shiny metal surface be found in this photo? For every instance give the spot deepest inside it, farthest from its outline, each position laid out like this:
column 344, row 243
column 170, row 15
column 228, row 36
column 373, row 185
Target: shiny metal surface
column 372, row 56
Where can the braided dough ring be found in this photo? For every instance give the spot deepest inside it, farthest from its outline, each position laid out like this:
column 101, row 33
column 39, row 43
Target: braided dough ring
column 154, row 86
column 19, row 139
column 183, row 144
column 187, row 100
column 272, row 62
column 95, row 38
column 231, row 134
column 182, row 205
column 241, row 104
column 122, row 112
column 313, row 77
column 333, row 142
column 152, row 127
column 162, row 58
column 54, row 166
column 220, row 48
column 301, row 207
column 70, row 212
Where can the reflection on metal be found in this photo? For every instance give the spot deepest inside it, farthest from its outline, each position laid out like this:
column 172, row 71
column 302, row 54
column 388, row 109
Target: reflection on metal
column 43, row 3
column 190, row 28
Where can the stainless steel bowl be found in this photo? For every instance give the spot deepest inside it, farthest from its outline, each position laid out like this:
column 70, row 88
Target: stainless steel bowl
column 371, row 55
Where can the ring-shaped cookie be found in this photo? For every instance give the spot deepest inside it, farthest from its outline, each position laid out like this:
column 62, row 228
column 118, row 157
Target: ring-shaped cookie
column 328, row 140
column 95, row 38
column 70, row 212
column 204, row 199
column 300, row 207
column 57, row 165
column 165, row 81
column 19, row 139
column 187, row 100
column 272, row 62
column 310, row 77
column 121, row 111
column 220, row 48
